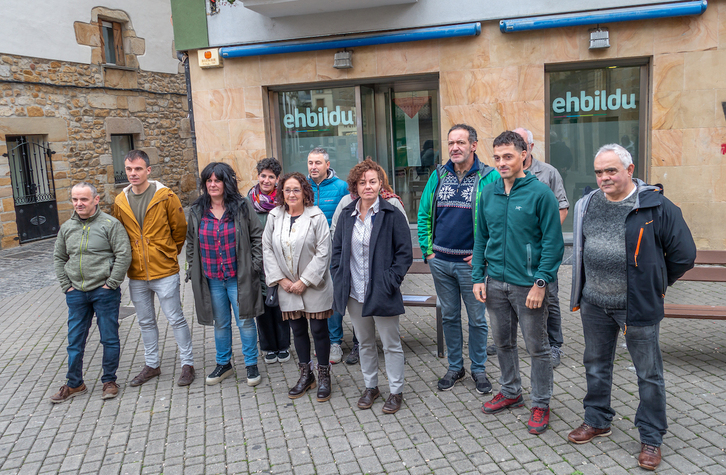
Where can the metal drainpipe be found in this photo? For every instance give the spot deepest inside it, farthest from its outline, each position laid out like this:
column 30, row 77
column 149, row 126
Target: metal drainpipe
column 184, row 58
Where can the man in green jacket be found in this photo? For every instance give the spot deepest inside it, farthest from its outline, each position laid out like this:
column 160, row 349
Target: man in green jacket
column 92, row 255
column 517, row 252
column 447, row 219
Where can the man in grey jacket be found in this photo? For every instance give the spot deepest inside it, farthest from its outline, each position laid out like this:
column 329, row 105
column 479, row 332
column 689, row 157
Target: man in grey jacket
column 92, row 255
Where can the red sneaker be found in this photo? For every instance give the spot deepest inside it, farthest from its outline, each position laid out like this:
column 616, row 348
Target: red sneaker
column 539, row 420
column 500, row 403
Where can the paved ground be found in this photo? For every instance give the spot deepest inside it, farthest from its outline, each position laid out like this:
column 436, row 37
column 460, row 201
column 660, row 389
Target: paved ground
column 231, row 428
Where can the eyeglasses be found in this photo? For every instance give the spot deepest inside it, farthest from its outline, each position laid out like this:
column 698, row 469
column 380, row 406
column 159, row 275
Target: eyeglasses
column 294, row 191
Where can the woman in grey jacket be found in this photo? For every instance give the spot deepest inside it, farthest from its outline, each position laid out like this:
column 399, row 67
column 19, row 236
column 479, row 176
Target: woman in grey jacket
column 296, row 245
column 224, row 255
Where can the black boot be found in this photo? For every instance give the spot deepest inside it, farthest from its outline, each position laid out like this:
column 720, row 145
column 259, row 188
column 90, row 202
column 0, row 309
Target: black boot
column 324, row 388
column 306, row 381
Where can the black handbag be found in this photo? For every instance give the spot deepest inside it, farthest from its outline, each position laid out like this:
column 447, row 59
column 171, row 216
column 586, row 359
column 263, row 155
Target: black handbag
column 271, row 299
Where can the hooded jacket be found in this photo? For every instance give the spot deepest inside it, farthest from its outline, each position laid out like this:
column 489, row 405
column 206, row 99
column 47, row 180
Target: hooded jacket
column 518, row 236
column 429, row 198
column 92, row 253
column 329, row 193
column 390, row 256
column 248, row 249
column 659, row 250
column 155, row 250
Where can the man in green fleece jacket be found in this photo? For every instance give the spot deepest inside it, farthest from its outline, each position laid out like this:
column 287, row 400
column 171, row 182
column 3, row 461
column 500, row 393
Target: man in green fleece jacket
column 517, row 251
column 92, row 255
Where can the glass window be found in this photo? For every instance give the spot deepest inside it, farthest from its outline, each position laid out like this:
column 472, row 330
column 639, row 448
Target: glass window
column 319, row 118
column 120, row 146
column 416, row 141
column 588, row 109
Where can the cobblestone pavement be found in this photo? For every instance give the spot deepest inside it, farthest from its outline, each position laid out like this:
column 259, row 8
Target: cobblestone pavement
column 232, row 428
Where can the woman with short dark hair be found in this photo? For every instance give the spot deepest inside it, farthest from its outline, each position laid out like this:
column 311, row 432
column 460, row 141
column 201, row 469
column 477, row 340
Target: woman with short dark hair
column 296, row 245
column 224, row 255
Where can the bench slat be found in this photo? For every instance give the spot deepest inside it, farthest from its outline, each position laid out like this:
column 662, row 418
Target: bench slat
column 708, row 257
column 706, row 274
column 705, row 312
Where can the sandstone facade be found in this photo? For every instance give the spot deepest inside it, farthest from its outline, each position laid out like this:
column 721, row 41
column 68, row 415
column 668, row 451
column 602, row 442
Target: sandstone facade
column 77, row 107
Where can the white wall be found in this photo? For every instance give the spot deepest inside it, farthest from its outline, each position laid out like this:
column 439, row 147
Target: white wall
column 238, row 25
column 44, row 29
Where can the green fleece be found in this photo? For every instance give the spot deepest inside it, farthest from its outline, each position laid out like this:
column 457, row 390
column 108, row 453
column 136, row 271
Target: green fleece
column 427, row 205
column 91, row 254
column 518, row 236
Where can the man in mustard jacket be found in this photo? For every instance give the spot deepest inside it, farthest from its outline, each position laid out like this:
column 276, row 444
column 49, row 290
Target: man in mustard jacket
column 154, row 220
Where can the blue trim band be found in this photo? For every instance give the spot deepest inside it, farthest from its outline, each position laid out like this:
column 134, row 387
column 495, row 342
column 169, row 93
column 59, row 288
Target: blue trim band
column 419, row 34
column 604, row 16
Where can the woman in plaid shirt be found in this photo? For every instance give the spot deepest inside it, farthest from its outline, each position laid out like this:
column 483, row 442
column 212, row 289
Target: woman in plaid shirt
column 224, row 254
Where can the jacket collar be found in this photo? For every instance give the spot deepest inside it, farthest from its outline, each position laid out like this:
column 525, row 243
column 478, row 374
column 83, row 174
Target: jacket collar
column 518, row 183
column 648, row 196
column 90, row 218
column 475, row 167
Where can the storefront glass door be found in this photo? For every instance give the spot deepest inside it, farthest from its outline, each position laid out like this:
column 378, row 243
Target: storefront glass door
column 395, row 124
column 415, row 143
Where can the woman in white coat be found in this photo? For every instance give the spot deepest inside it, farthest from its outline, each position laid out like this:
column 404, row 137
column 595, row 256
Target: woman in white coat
column 296, row 247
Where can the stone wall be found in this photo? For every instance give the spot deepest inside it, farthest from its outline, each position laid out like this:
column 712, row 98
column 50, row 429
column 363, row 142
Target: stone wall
column 76, row 108
column 496, row 82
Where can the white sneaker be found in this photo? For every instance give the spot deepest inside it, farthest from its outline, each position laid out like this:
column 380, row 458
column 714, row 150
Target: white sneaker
column 336, row 353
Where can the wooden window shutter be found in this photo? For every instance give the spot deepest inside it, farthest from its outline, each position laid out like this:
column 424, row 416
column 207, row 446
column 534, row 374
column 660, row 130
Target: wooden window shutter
column 118, row 44
column 103, row 43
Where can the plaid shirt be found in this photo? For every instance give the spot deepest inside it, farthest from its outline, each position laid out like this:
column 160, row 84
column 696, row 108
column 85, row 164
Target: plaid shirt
column 217, row 246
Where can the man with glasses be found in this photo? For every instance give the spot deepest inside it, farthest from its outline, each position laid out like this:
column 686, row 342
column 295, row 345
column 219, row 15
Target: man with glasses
column 329, row 190
column 629, row 244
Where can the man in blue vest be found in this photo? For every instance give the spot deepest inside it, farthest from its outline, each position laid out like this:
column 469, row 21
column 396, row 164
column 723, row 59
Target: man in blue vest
column 329, row 190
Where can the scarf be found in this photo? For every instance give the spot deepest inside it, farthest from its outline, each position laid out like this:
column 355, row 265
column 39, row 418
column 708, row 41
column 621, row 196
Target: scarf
column 263, row 203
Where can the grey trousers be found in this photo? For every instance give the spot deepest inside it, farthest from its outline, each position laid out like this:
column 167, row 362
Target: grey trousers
column 388, row 329
column 167, row 290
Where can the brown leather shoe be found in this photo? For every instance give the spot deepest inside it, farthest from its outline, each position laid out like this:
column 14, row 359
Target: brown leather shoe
column 145, row 375
column 110, row 390
column 368, row 397
column 649, row 458
column 586, row 433
column 66, row 393
column 393, row 403
column 187, row 375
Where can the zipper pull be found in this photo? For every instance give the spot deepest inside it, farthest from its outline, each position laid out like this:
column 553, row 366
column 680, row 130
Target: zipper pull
column 625, row 330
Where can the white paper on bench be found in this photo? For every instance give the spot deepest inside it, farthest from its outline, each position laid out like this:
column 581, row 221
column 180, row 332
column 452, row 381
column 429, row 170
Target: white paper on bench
column 416, row 298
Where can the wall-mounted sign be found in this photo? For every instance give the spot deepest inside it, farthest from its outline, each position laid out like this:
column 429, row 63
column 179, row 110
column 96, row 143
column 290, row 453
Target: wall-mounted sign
column 209, row 58
column 600, row 102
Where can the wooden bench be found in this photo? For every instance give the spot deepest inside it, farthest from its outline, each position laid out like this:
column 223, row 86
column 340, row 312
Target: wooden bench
column 419, row 267
column 715, row 273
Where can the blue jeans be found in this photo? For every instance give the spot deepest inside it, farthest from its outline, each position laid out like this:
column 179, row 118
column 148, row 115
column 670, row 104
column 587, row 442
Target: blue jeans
column 507, row 309
column 81, row 307
column 554, row 318
column 224, row 294
column 335, row 329
column 453, row 281
column 601, row 327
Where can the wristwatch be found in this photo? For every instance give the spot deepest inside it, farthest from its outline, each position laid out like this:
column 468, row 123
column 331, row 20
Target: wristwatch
column 540, row 283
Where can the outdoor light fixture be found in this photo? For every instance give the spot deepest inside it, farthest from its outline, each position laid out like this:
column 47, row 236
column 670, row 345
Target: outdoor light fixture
column 599, row 38
column 343, row 60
